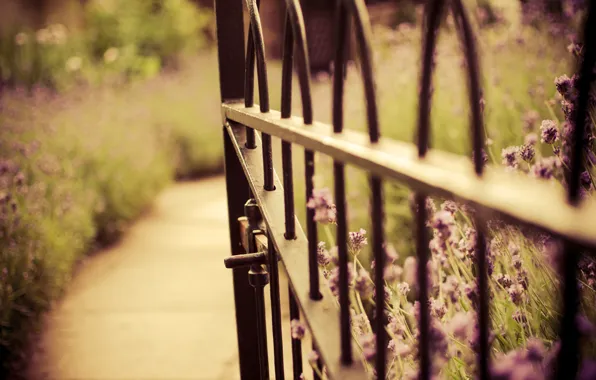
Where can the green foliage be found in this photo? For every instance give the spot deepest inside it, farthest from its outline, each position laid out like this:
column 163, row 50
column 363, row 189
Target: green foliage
column 77, row 168
column 164, row 29
column 121, row 41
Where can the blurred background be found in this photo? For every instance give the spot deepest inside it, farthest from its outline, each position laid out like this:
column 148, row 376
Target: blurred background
column 104, row 103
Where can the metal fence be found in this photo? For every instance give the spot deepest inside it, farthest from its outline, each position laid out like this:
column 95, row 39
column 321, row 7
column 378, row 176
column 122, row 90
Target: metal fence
column 268, row 220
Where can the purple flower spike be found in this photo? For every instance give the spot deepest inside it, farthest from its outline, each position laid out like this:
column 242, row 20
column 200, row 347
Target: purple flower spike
column 322, row 203
column 357, row 240
column 323, row 256
column 550, row 133
column 527, row 152
column 298, row 329
column 369, row 350
column 531, row 139
column 509, row 156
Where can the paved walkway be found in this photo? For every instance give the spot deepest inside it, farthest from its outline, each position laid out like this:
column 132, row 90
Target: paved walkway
column 158, row 306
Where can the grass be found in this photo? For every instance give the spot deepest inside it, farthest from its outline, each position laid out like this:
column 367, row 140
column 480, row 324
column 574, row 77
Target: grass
column 79, row 167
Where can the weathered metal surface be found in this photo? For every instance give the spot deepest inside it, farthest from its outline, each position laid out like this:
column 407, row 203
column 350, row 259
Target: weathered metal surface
column 319, row 315
column 498, row 193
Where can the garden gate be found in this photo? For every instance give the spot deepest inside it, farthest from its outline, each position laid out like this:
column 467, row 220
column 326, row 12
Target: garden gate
column 261, row 207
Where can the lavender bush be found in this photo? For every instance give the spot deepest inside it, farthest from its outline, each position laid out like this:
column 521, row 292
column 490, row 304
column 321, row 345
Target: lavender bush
column 523, row 265
column 77, row 168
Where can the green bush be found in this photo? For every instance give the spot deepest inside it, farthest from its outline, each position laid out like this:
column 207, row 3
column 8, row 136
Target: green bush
column 163, row 29
column 121, row 41
column 77, row 168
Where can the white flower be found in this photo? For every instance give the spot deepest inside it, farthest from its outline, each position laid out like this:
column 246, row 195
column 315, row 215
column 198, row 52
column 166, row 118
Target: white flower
column 74, row 63
column 111, row 55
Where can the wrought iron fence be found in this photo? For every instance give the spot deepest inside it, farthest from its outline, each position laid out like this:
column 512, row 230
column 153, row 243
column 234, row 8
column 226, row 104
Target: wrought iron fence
column 265, row 229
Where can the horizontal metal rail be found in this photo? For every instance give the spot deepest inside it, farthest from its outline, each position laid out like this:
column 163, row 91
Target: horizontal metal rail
column 318, row 314
column 506, row 195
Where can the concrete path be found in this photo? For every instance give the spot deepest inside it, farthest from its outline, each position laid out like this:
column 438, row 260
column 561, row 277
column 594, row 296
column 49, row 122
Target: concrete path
column 159, row 305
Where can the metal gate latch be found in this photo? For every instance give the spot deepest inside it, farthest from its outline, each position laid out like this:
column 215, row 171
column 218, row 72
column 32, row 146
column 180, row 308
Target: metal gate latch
column 258, row 276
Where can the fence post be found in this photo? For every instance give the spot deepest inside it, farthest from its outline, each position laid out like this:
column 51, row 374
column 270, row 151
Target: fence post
column 230, row 46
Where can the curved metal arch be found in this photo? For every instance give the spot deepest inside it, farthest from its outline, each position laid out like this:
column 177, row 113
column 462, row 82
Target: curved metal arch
column 296, row 36
column 466, row 35
column 434, row 11
column 256, row 46
column 356, row 9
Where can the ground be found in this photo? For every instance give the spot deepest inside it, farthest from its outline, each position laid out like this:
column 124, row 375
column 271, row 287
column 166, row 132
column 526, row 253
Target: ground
column 157, row 306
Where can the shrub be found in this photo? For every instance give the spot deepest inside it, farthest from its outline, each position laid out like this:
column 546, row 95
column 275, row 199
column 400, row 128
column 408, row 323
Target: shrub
column 77, row 168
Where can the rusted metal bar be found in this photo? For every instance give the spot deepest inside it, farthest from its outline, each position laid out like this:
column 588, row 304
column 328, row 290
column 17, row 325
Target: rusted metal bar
column 286, row 148
column 498, row 194
column 569, row 355
column 340, row 187
column 318, row 315
column 256, row 32
column 422, row 256
column 278, row 351
column 230, row 47
column 296, row 343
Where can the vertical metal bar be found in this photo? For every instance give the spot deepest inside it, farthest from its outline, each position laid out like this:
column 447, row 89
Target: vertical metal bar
column 296, row 21
column 422, row 279
column 249, row 87
column 257, row 273
column 340, row 187
column 278, row 350
column 341, row 16
column 379, row 254
column 569, row 353
column 342, row 249
column 244, row 296
column 296, row 344
column 286, row 147
column 483, row 312
column 311, row 228
column 230, row 41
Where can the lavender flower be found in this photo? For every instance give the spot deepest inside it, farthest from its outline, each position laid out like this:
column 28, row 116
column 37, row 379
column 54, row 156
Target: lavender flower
column 443, row 222
column 334, row 278
column 437, row 308
column 516, row 292
column 585, row 179
column 449, row 206
column 544, row 168
column 298, row 329
column 531, row 139
column 550, row 133
column 313, row 357
column 520, row 317
column 323, row 256
column 403, row 288
column 321, row 202
column 527, row 152
column 504, row 280
column 530, row 118
column 369, row 350
column 363, row 284
column 357, row 240
column 392, row 273
column 564, row 86
column 509, row 156
column 460, row 326
column 535, row 350
column 451, row 288
column 390, row 255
